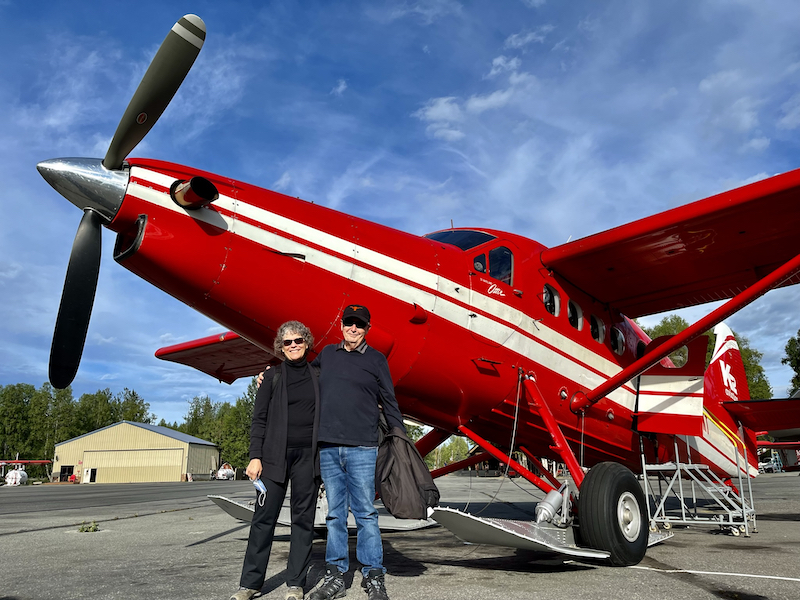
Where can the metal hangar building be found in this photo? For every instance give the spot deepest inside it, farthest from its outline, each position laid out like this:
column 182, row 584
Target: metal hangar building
column 128, row 452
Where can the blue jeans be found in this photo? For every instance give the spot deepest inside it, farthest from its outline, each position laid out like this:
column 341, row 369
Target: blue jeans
column 348, row 473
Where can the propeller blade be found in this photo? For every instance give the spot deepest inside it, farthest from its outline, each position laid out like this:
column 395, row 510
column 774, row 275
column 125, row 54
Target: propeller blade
column 159, row 84
column 76, row 301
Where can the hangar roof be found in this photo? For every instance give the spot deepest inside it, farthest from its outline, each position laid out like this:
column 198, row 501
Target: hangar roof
column 177, row 435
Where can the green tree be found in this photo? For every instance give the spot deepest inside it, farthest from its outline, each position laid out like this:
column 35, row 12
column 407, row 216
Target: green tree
column 234, row 445
column 456, row 449
column 199, row 421
column 223, row 424
column 130, row 406
column 15, row 423
column 63, row 415
column 95, row 411
column 757, row 381
column 415, row 432
column 670, row 325
column 792, row 359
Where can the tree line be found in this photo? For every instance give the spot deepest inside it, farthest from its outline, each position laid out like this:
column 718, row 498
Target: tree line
column 33, row 420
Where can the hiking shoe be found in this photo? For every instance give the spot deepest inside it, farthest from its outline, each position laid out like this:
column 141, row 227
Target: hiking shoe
column 331, row 586
column 294, row 592
column 245, row 594
column 374, row 585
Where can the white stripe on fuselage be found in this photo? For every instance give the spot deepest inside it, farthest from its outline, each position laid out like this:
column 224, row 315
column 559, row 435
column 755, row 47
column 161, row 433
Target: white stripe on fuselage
column 435, row 296
column 500, row 331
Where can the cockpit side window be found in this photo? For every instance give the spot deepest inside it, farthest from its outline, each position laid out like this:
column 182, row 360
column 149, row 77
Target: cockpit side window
column 479, row 263
column 501, row 264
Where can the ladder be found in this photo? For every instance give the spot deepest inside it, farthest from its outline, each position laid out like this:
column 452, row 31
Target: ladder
column 702, row 497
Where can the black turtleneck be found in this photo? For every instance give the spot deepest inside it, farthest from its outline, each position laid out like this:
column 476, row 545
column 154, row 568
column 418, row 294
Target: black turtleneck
column 301, row 403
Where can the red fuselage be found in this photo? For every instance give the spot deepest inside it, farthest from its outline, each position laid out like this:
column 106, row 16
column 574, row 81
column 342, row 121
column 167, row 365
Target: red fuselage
column 455, row 325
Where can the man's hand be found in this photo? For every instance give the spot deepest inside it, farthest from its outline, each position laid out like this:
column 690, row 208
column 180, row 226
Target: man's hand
column 261, row 376
column 253, row 470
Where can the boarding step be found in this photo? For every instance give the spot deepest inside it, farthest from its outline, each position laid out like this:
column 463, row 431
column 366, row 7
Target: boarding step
column 692, row 493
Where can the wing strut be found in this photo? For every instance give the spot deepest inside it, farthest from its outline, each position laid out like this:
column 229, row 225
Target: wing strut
column 505, row 458
column 582, row 400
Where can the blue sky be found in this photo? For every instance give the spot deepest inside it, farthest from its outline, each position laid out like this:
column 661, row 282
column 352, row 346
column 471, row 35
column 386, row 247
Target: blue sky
column 551, row 119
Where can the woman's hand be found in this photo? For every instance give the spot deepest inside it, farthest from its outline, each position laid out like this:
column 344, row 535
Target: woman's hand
column 253, row 470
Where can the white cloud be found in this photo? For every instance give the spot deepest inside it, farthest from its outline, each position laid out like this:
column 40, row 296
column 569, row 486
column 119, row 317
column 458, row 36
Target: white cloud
column 502, row 64
column 791, row 113
column 339, row 88
column 443, row 132
column 427, row 11
column 756, row 145
column 721, row 80
column 520, row 40
column 353, row 178
column 495, row 100
column 284, row 181
column 440, row 109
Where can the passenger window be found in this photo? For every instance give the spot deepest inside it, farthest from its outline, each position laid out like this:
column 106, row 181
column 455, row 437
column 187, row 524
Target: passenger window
column 501, row 264
column 480, row 263
column 575, row 315
column 552, row 301
column 617, row 341
column 598, row 329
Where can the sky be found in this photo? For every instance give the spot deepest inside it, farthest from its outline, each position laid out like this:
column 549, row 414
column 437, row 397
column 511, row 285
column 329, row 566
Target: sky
column 553, row 120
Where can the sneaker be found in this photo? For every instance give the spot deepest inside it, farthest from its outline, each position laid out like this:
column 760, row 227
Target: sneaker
column 244, row 594
column 374, row 585
column 331, row 586
column 294, row 592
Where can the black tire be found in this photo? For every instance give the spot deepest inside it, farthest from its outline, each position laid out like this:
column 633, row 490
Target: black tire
column 612, row 513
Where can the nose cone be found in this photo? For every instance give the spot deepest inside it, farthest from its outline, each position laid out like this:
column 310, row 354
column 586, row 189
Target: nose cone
column 86, row 183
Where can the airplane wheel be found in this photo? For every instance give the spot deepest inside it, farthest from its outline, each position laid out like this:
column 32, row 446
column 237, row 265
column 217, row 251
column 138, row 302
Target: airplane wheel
column 613, row 517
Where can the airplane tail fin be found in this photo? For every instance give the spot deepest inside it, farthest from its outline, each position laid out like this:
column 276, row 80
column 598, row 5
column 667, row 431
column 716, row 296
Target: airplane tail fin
column 726, row 382
column 725, row 379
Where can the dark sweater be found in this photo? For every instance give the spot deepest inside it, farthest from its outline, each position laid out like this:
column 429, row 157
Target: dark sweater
column 301, row 403
column 351, row 386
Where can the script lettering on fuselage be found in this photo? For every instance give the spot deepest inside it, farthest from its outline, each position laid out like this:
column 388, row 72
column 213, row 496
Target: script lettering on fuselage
column 495, row 290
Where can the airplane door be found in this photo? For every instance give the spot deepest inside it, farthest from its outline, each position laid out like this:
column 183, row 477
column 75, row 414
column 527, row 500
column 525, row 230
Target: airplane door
column 493, row 295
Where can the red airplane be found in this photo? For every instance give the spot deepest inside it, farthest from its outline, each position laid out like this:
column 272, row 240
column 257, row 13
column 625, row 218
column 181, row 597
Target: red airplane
column 519, row 347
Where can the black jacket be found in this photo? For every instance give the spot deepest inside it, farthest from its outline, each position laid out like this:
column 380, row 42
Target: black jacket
column 402, row 478
column 269, row 428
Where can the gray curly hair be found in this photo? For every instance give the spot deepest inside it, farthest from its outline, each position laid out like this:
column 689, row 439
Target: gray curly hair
column 292, row 327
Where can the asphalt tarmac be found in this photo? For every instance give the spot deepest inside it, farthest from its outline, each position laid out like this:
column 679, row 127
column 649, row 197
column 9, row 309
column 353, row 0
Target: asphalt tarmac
column 168, row 541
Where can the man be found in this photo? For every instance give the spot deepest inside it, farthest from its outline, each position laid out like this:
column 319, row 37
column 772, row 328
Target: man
column 354, row 382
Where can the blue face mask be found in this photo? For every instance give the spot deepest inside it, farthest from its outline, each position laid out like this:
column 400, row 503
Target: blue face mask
column 261, row 490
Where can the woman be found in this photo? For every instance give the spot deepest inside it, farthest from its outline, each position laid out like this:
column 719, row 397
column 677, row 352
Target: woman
column 283, row 448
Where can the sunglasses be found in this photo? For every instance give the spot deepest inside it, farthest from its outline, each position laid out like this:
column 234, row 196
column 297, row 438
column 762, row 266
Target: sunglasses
column 297, row 341
column 357, row 322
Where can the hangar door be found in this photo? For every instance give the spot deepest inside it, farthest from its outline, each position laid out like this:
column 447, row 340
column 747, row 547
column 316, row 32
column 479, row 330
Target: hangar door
column 129, row 466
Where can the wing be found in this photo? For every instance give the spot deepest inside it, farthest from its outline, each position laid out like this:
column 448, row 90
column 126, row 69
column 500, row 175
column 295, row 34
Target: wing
column 780, row 418
column 226, row 356
column 704, row 251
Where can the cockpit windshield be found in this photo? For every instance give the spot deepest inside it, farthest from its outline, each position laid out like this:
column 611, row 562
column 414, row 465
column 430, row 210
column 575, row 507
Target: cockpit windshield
column 462, row 238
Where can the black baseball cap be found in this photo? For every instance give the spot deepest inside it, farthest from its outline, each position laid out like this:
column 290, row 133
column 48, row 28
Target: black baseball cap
column 356, row 311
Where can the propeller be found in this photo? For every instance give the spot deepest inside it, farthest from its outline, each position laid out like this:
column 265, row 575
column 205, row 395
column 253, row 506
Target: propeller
column 164, row 76
column 76, row 301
